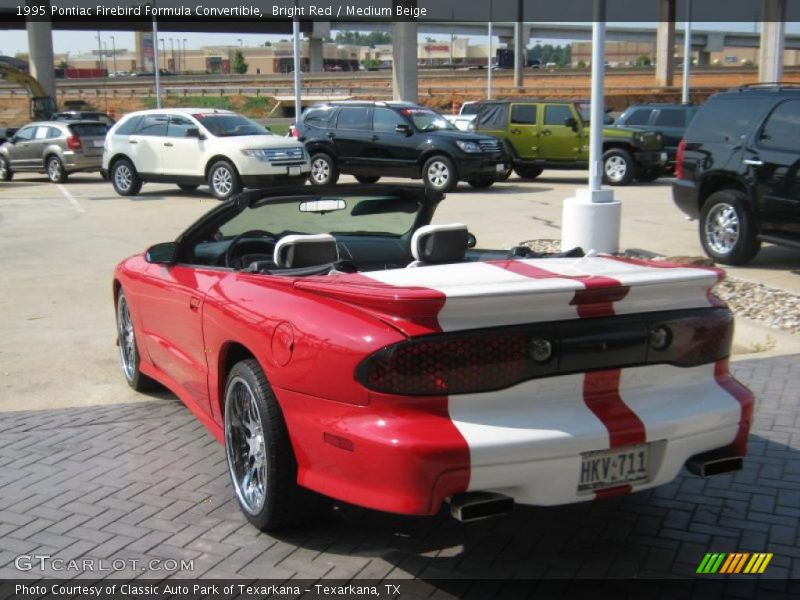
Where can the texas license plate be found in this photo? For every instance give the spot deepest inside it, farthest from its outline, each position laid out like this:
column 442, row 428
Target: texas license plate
column 611, row 468
column 294, row 170
column 500, row 168
column 664, row 157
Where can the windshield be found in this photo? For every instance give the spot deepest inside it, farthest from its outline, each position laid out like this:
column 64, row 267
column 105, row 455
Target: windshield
column 428, row 120
column 230, row 125
column 384, row 215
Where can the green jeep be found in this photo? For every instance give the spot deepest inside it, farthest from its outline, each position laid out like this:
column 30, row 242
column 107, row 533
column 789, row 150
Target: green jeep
column 544, row 134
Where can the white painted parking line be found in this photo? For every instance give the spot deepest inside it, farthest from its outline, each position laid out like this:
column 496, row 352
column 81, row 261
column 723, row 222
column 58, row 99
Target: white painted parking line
column 72, row 200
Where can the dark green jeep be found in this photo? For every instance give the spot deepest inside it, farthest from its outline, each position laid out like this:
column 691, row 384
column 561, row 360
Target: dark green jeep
column 545, row 134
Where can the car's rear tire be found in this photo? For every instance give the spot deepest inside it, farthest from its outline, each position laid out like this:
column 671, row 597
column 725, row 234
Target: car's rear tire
column 728, row 229
column 481, row 183
column 188, row 187
column 528, row 171
column 619, row 167
column 6, row 174
column 439, row 174
column 124, row 178
column 261, row 461
column 367, row 180
column 323, row 170
column 55, row 170
column 224, row 180
column 128, row 350
column 649, row 175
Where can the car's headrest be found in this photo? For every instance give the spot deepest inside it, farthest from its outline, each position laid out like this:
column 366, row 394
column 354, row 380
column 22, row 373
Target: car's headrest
column 296, row 251
column 439, row 243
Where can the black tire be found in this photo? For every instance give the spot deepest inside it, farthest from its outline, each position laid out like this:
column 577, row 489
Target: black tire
column 619, row 167
column 6, row 174
column 124, row 178
column 728, row 229
column 55, row 170
column 367, row 180
column 323, row 170
column 128, row 348
column 504, row 175
column 481, row 183
column 528, row 171
column 224, row 180
column 188, row 187
column 280, row 502
column 649, row 175
column 439, row 174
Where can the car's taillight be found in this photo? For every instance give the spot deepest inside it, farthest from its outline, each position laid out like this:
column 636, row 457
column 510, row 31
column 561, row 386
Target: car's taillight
column 293, row 132
column 492, row 359
column 679, row 159
column 74, row 142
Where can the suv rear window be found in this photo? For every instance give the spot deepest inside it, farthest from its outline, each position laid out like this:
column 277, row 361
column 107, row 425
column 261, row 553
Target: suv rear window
column 318, row 117
column 639, row 117
column 724, row 120
column 89, row 129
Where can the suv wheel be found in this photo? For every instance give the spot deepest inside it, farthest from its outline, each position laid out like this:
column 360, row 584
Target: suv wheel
column 439, row 174
column 125, row 179
column 367, row 180
column 727, row 230
column 6, row 174
column 528, row 171
column 223, row 180
column 55, row 170
column 618, row 166
column 323, row 170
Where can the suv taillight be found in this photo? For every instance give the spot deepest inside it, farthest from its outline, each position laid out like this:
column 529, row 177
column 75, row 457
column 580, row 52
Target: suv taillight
column 74, row 142
column 679, row 159
column 482, row 361
column 293, row 132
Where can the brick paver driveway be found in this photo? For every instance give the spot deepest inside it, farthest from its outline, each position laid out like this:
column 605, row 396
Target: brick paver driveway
column 146, row 481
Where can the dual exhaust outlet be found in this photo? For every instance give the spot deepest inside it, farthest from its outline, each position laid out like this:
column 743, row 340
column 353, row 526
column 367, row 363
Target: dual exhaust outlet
column 475, row 506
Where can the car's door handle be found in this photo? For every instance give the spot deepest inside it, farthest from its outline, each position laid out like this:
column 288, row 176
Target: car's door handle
column 168, row 144
column 756, row 162
column 133, row 141
column 194, row 303
column 375, row 138
column 516, row 130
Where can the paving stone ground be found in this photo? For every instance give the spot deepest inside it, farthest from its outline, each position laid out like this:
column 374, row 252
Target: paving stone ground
column 145, row 481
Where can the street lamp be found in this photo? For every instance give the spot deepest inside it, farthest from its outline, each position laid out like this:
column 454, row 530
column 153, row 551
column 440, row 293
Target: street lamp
column 164, row 51
column 99, row 51
column 105, row 56
column 241, row 45
column 184, row 54
column 172, row 51
column 114, row 53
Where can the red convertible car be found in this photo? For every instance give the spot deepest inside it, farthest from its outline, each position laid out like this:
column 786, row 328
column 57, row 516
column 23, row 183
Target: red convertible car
column 341, row 346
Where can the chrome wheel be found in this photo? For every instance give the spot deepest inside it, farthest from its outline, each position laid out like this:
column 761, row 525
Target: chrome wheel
column 123, row 178
column 616, row 168
column 126, row 339
column 54, row 170
column 722, row 228
column 245, row 445
column 320, row 170
column 222, row 181
column 438, row 174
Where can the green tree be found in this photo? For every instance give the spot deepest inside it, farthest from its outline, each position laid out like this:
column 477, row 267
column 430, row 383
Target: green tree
column 356, row 38
column 643, row 61
column 239, row 66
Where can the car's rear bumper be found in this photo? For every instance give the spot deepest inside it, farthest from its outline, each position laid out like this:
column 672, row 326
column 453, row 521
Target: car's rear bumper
column 74, row 161
column 652, row 158
column 475, row 167
column 684, row 194
column 407, row 455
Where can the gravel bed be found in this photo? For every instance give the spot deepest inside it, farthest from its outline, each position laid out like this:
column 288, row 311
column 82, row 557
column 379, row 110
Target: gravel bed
column 775, row 308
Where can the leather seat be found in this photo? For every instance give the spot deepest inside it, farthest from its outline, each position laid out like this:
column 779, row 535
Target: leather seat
column 299, row 251
column 437, row 244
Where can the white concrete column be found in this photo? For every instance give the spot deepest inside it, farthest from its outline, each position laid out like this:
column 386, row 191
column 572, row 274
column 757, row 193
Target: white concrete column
column 315, row 58
column 404, row 61
column 665, row 44
column 773, row 31
column 40, row 54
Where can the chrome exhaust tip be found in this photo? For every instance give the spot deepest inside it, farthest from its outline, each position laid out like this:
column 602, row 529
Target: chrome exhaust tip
column 713, row 463
column 474, row 506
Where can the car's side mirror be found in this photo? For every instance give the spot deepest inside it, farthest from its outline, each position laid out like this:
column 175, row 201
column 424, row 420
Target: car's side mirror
column 403, row 128
column 472, row 241
column 162, row 254
column 194, row 132
column 571, row 123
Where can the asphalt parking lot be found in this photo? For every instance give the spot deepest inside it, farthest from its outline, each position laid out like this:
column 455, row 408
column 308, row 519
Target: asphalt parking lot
column 92, row 469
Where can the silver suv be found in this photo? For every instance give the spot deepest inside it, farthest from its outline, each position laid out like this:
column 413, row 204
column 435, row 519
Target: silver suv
column 54, row 147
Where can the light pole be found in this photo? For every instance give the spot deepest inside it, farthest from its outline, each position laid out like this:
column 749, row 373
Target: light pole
column 99, row 51
column 298, row 107
column 105, row 56
column 184, row 54
column 172, row 52
column 114, row 53
column 156, row 69
column 687, row 52
column 241, row 45
column 164, row 52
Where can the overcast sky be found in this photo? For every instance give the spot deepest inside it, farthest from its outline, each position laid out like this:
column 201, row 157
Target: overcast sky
column 78, row 42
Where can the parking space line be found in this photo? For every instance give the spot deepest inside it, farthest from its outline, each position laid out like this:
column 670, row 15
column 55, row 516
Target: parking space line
column 72, row 200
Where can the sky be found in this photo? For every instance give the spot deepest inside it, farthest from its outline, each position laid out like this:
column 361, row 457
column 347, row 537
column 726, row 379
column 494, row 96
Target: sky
column 79, row 42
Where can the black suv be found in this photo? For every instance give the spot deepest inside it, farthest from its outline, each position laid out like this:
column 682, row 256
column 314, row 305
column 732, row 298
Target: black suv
column 738, row 170
column 670, row 120
column 398, row 139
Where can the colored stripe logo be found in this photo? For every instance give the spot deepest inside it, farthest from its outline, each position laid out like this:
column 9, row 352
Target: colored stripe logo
column 734, row 563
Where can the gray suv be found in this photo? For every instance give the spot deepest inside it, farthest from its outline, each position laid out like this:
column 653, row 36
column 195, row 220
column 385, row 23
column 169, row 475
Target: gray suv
column 55, row 148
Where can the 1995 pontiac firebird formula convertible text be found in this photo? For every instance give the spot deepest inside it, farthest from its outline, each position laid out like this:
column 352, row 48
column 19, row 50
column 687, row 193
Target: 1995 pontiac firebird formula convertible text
column 342, row 347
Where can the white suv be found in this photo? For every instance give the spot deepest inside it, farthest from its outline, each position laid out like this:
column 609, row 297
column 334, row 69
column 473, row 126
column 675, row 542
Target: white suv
column 191, row 147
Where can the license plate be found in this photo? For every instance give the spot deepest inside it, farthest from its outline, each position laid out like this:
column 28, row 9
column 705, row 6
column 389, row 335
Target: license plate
column 99, row 143
column 611, row 468
column 500, row 168
column 664, row 157
column 294, row 170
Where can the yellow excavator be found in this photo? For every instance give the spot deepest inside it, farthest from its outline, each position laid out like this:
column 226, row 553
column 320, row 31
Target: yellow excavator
column 42, row 106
